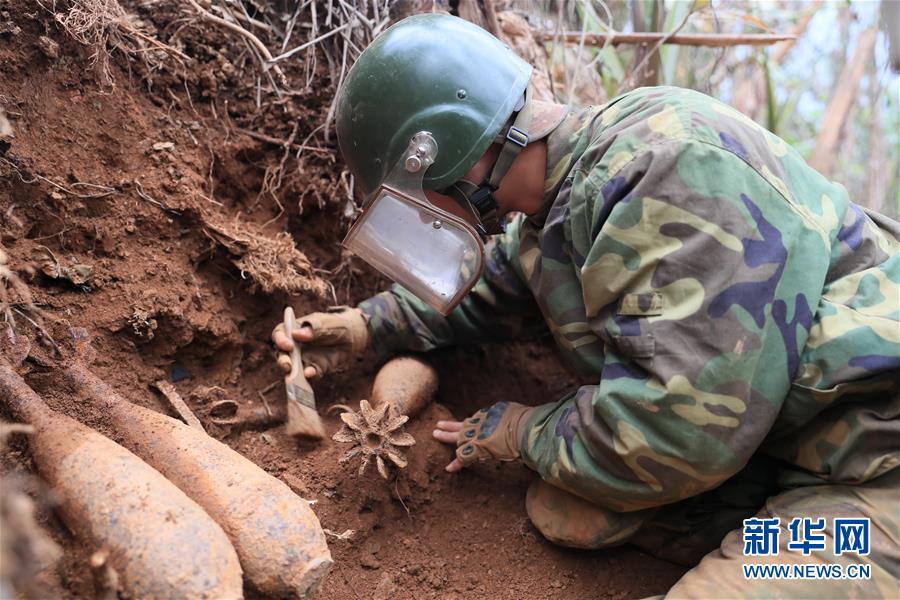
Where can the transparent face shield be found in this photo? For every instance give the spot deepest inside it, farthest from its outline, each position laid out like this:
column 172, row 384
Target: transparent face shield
column 435, row 255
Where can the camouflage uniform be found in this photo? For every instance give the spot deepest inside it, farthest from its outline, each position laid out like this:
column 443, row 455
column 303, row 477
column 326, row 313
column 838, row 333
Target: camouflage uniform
column 733, row 314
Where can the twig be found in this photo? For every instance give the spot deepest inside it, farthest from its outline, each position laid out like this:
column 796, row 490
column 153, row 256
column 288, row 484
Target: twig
column 159, row 44
column 265, row 402
column 615, row 38
column 177, row 404
column 305, row 45
column 270, row 387
column 106, row 191
column 640, row 66
column 277, row 142
column 255, row 41
column 139, row 189
column 247, row 18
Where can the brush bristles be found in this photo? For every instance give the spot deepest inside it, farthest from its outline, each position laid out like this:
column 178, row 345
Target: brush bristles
column 303, row 421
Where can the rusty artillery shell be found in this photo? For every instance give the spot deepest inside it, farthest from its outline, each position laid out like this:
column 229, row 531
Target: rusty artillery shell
column 406, row 382
column 278, row 538
column 160, row 542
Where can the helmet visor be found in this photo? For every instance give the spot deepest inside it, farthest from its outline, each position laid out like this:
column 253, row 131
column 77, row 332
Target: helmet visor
column 435, row 255
column 426, row 250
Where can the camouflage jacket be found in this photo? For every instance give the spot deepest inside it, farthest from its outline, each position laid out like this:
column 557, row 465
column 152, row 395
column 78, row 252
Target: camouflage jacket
column 720, row 297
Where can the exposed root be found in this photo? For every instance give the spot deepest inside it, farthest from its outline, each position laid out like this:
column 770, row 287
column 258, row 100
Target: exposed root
column 273, row 264
column 104, row 26
column 93, row 190
column 375, row 432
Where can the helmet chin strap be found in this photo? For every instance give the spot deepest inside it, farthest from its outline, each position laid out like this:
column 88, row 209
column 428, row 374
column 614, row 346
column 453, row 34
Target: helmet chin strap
column 479, row 199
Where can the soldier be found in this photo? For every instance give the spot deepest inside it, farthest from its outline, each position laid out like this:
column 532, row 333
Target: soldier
column 733, row 314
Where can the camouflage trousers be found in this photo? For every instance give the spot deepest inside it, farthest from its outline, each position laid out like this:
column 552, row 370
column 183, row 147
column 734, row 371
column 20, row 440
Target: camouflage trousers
column 708, row 529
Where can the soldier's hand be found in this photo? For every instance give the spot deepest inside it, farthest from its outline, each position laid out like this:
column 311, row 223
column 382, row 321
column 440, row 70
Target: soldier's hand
column 491, row 433
column 331, row 340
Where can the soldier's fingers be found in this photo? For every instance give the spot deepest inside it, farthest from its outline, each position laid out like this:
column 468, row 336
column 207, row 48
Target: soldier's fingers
column 304, row 334
column 454, row 466
column 447, row 437
column 282, row 342
column 454, row 426
column 310, row 372
column 284, row 362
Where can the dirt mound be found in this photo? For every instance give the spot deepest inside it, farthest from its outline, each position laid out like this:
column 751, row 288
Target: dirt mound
column 193, row 203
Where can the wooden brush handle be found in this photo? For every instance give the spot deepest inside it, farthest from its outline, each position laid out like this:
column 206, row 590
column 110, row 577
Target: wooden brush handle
column 296, row 376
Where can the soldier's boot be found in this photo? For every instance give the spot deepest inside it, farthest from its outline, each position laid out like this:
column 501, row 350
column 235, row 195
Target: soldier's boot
column 720, row 573
column 568, row 520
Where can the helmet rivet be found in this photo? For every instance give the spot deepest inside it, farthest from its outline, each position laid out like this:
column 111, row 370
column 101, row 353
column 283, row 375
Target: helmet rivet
column 437, row 224
column 461, row 94
column 413, row 163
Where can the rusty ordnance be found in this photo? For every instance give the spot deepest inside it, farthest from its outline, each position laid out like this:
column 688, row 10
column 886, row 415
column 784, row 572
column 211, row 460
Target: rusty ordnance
column 160, row 542
column 406, row 383
column 403, row 387
column 278, row 538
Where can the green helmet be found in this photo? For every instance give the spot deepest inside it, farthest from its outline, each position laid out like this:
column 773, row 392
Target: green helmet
column 434, row 73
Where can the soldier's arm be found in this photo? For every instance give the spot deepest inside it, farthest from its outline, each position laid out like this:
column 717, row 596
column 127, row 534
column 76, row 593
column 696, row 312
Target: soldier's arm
column 693, row 282
column 499, row 307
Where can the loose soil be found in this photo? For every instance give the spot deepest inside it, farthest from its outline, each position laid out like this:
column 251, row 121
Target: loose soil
column 168, row 302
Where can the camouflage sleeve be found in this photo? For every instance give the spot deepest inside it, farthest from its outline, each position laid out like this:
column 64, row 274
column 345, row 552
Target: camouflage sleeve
column 499, row 307
column 694, row 281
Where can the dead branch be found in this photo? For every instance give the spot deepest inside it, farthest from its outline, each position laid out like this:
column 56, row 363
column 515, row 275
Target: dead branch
column 251, row 38
column 715, row 40
column 654, row 52
column 312, row 42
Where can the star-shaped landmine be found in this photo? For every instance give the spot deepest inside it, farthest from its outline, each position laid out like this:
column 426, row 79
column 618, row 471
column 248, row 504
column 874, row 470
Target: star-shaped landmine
column 375, row 432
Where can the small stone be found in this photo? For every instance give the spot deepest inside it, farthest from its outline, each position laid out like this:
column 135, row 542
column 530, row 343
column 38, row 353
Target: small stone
column 48, row 47
column 368, row 561
column 160, row 146
column 556, row 584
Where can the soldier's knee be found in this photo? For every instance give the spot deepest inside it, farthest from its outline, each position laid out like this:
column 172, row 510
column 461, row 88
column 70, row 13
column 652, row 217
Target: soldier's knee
column 568, row 520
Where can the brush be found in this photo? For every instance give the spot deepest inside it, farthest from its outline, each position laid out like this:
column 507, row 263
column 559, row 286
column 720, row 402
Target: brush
column 302, row 418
